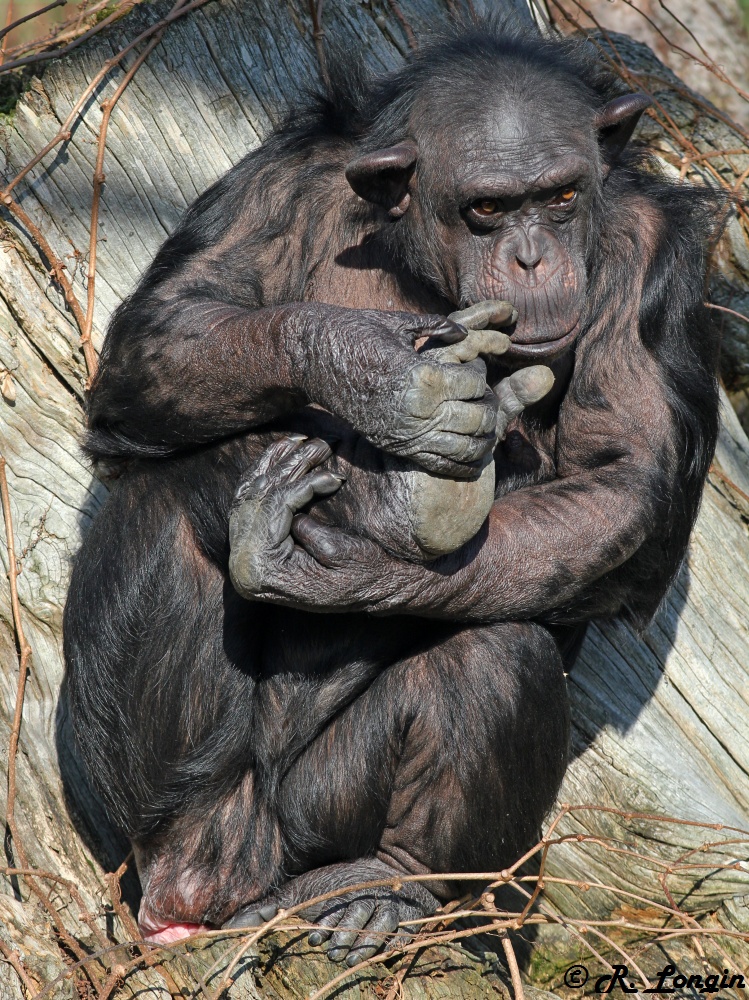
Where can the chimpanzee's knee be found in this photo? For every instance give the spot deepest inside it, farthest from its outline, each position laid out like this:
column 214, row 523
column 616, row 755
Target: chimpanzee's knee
column 485, row 749
column 448, row 762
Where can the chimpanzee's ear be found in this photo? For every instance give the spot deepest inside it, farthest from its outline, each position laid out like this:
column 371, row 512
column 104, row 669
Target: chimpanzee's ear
column 616, row 121
column 382, row 177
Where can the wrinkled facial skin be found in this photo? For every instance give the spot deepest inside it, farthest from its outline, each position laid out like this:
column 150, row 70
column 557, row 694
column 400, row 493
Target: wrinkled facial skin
column 509, row 204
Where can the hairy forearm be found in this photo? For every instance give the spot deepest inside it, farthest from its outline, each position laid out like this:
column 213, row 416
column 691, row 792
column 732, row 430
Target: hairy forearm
column 540, row 550
column 198, row 373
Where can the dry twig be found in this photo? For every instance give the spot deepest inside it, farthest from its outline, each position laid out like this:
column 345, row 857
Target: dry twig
column 24, row 652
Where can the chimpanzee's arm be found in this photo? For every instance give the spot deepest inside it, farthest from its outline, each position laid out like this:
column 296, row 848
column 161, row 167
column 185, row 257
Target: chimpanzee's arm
column 200, row 351
column 636, row 434
column 623, row 521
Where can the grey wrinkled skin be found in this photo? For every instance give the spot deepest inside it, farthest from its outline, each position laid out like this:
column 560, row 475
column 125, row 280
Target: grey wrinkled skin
column 439, row 413
column 356, row 924
column 427, row 515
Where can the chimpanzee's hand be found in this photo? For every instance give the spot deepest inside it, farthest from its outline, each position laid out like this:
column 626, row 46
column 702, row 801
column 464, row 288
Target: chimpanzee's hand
column 266, row 564
column 438, row 411
column 514, row 393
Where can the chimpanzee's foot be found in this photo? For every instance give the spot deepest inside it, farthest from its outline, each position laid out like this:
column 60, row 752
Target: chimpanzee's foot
column 358, row 922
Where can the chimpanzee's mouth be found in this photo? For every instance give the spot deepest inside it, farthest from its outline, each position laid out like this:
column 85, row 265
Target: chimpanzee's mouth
column 543, row 348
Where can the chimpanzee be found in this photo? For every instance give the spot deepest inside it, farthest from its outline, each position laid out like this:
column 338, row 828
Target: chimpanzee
column 341, row 710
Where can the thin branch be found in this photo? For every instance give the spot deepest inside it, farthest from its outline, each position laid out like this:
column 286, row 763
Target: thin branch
column 725, row 309
column 14, row 959
column 546, row 841
column 315, row 9
column 57, row 270
column 24, row 650
column 93, row 241
column 40, row 57
column 658, row 111
column 396, row 988
column 64, row 31
column 8, row 22
column 64, row 133
column 407, row 29
column 28, row 17
column 56, row 266
column 709, row 65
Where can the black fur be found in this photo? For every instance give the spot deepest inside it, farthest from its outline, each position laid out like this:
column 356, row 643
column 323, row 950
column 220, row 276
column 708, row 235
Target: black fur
column 240, row 743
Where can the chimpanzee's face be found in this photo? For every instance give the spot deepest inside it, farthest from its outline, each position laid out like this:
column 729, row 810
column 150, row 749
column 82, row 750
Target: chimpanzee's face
column 507, row 209
column 495, row 197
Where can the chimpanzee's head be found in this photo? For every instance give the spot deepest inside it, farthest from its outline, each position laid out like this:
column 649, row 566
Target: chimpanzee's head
column 494, row 183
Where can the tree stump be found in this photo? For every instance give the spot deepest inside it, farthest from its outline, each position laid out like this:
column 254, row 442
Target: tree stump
column 660, row 721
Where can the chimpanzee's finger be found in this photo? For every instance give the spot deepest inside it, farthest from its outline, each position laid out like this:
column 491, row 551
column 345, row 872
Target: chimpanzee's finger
column 281, row 506
column 490, row 312
column 523, row 388
column 293, row 466
column 277, row 451
column 356, row 916
column 467, row 418
column 481, row 342
column 318, row 540
column 488, row 342
column 462, row 448
column 465, row 381
column 376, row 934
column 273, row 454
column 531, row 384
column 437, row 327
column 431, row 384
column 451, row 467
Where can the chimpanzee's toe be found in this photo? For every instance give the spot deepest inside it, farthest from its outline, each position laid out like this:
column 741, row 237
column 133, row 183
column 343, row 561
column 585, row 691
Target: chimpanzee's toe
column 379, row 933
column 252, row 916
column 354, row 919
column 358, row 921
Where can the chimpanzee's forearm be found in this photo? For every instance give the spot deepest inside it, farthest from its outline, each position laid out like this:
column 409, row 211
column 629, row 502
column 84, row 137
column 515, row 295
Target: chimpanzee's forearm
column 512, row 570
column 203, row 370
column 539, row 554
column 200, row 370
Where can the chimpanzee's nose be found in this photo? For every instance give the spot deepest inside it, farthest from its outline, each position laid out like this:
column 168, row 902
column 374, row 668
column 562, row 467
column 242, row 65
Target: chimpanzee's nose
column 529, row 263
column 528, row 253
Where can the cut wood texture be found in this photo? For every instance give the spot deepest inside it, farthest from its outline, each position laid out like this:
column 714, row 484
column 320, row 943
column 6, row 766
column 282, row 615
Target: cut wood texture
column 661, row 722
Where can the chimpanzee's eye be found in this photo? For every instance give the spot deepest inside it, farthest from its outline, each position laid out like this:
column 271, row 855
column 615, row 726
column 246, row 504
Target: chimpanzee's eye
column 486, row 206
column 563, row 197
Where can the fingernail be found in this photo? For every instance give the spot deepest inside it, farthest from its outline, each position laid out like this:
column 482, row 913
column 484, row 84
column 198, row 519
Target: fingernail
column 297, row 437
column 338, row 475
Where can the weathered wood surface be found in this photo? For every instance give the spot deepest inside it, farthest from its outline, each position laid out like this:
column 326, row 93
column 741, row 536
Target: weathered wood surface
column 660, row 722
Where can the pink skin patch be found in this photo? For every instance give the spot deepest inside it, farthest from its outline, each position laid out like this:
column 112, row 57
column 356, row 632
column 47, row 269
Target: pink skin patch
column 158, row 931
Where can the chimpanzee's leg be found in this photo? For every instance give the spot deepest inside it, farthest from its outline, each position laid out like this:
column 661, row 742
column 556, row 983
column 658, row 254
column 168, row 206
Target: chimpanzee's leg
column 448, row 762
column 163, row 661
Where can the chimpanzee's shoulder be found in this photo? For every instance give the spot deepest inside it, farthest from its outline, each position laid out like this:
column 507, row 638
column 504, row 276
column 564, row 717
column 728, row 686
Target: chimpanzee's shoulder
column 640, row 187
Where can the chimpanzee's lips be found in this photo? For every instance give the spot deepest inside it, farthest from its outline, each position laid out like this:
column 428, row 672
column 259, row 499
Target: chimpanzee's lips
column 543, row 348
